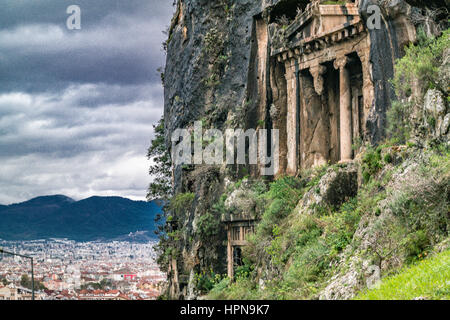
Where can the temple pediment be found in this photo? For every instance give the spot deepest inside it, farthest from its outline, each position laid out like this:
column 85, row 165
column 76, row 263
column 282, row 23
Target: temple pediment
column 319, row 25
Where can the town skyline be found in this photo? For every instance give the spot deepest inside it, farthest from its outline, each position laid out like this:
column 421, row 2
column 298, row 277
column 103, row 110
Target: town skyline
column 71, row 270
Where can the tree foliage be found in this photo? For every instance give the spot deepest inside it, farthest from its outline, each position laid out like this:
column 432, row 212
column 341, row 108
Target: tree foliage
column 161, row 186
column 421, row 63
column 161, row 189
column 26, row 282
column 415, row 73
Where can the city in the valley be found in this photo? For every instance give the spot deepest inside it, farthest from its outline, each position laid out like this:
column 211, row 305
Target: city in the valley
column 69, row 270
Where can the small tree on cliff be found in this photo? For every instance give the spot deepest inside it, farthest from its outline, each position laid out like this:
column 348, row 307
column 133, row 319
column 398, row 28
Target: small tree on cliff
column 161, row 189
column 161, row 186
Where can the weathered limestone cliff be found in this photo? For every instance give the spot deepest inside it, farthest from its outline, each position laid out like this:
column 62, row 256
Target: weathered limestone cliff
column 317, row 71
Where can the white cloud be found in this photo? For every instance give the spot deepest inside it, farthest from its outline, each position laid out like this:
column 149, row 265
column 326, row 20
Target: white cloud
column 79, row 177
column 49, row 144
column 30, row 36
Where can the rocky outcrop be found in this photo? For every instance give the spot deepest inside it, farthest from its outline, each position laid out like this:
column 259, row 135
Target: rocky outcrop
column 444, row 71
column 338, row 185
column 241, row 202
column 435, row 114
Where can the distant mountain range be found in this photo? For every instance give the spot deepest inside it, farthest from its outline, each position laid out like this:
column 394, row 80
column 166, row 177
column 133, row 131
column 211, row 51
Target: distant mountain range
column 95, row 218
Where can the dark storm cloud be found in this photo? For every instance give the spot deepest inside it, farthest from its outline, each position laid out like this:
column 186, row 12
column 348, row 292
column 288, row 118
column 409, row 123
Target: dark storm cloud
column 77, row 107
column 58, row 125
column 119, row 43
column 15, row 12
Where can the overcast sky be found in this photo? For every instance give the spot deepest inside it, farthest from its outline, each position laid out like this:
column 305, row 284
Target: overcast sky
column 77, row 106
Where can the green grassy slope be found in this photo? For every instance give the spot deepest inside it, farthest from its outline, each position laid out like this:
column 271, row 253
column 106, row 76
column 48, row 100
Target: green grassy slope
column 429, row 279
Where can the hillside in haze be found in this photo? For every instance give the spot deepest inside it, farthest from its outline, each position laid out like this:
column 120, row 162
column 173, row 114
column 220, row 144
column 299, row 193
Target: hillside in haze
column 95, row 218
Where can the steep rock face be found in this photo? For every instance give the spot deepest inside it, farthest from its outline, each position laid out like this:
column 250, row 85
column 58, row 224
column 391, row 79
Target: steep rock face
column 214, row 74
column 387, row 44
column 208, row 61
column 203, row 32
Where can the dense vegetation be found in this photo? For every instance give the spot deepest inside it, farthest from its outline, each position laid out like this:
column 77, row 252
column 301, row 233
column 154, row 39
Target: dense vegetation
column 418, row 71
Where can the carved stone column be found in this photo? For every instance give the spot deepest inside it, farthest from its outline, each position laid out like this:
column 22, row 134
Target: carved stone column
column 230, row 262
column 317, row 72
column 291, row 122
column 345, row 109
column 175, row 283
column 278, row 111
column 368, row 87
